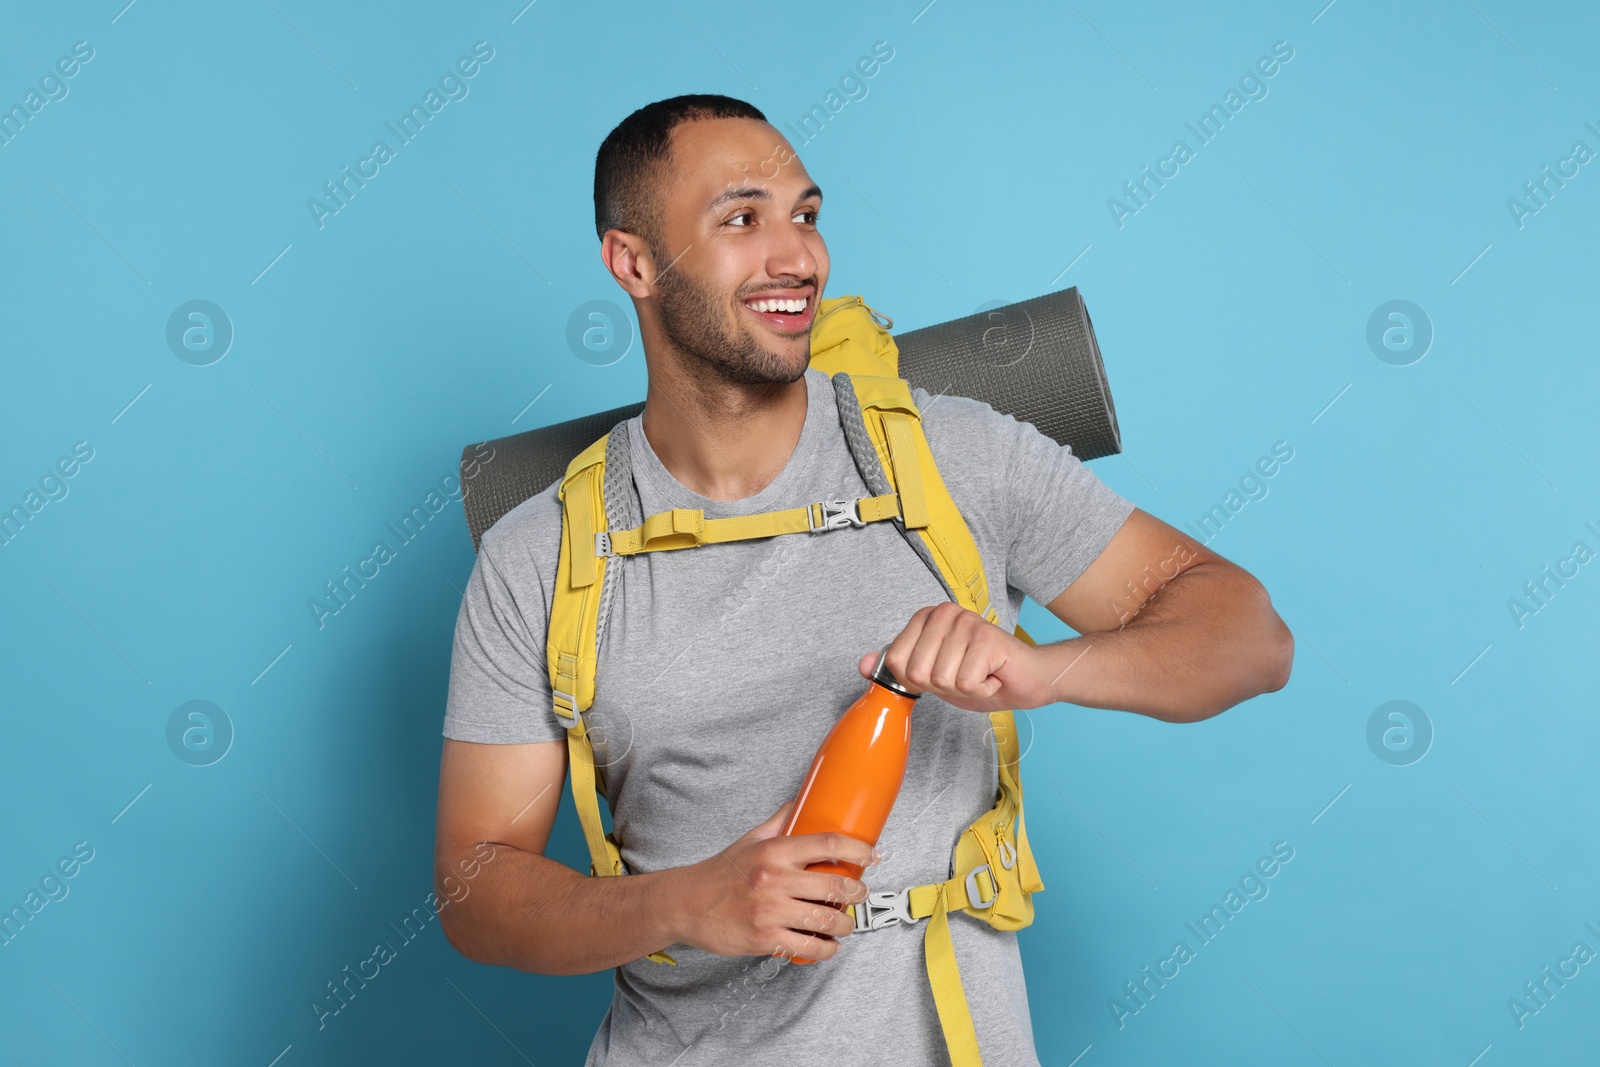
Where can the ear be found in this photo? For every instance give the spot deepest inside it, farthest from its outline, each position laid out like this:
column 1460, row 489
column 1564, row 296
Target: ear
column 627, row 256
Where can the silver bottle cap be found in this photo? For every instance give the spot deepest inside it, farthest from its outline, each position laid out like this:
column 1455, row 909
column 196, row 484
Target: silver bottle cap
column 883, row 677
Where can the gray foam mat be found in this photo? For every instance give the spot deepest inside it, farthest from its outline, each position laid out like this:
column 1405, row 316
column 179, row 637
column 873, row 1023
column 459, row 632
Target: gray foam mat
column 1036, row 360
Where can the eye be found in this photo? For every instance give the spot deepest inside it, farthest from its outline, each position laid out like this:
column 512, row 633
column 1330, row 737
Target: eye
column 811, row 215
column 744, row 214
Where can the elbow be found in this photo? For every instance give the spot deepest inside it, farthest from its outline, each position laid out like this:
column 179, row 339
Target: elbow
column 468, row 936
column 1279, row 659
column 1271, row 643
column 1267, row 672
column 458, row 928
column 459, row 917
column 477, row 925
column 455, row 932
column 1273, row 659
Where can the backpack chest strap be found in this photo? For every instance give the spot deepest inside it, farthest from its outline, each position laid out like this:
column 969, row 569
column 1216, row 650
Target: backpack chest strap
column 689, row 527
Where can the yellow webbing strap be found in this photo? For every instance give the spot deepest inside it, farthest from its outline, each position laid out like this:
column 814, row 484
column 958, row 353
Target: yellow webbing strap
column 893, row 423
column 575, row 609
column 580, row 759
column 900, row 431
column 994, row 879
column 944, row 976
column 570, row 645
column 689, row 527
column 993, row 865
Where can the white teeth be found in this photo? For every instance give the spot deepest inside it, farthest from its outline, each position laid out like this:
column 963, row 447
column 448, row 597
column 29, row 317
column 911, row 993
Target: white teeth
column 793, row 306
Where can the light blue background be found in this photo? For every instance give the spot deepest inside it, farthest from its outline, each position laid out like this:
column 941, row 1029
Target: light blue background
column 428, row 313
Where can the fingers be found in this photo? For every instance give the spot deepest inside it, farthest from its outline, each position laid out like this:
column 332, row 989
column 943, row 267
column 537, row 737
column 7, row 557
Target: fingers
column 806, row 946
column 899, row 655
column 953, row 652
column 930, row 650
column 806, row 849
column 945, row 642
column 763, row 899
column 808, row 929
column 773, row 826
column 815, row 917
column 822, row 921
column 977, row 671
column 795, row 913
column 828, row 888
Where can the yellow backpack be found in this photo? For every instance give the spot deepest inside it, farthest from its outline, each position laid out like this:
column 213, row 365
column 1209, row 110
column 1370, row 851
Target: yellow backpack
column 992, row 870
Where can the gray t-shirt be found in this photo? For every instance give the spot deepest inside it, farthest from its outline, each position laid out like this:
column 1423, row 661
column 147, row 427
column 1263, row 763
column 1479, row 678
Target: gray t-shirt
column 722, row 669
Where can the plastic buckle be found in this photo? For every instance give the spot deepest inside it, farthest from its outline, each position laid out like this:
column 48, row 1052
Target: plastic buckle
column 883, row 908
column 972, row 888
column 836, row 515
column 602, row 543
column 568, row 722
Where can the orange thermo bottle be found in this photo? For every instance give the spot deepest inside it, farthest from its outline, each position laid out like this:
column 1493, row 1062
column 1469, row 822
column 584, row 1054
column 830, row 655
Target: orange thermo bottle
column 856, row 773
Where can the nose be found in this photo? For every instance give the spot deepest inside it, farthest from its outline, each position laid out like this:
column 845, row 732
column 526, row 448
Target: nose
column 791, row 252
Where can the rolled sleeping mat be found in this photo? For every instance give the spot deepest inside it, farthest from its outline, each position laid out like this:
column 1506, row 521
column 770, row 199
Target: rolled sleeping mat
column 1035, row 360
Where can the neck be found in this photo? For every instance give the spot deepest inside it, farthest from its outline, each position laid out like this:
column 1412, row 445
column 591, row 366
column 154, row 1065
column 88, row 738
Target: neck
column 724, row 440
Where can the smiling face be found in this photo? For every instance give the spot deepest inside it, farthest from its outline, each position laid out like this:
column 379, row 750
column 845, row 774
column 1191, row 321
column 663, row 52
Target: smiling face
column 741, row 263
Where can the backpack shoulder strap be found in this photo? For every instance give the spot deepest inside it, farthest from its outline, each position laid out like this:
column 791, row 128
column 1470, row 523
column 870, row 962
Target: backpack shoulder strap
column 852, row 344
column 993, row 873
column 884, row 430
column 572, row 640
column 570, row 643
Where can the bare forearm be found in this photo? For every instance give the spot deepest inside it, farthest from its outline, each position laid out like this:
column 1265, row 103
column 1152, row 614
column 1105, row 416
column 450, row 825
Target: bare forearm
column 1205, row 641
column 532, row 913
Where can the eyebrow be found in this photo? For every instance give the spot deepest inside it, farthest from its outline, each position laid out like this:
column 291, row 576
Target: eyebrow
column 756, row 192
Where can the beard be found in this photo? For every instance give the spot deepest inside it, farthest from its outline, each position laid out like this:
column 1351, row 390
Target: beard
column 695, row 320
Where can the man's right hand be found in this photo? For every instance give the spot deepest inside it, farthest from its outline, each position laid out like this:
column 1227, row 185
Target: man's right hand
column 756, row 897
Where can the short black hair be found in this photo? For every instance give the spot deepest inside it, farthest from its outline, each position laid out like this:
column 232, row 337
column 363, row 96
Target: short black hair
column 632, row 154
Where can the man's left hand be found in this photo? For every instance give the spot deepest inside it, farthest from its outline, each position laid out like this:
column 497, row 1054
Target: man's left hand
column 965, row 660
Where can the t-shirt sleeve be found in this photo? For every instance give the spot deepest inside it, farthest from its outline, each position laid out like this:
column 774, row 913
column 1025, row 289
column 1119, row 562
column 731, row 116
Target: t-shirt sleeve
column 1060, row 516
column 499, row 677
column 1023, row 494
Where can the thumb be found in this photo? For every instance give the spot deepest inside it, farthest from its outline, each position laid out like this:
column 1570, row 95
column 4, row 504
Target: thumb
column 773, row 827
column 869, row 661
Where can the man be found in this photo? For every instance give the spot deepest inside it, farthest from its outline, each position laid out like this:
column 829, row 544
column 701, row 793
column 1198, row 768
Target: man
column 722, row 667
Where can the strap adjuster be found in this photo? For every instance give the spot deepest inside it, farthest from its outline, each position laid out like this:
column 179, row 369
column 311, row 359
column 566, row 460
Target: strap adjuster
column 602, row 543
column 836, row 515
column 567, row 721
column 883, row 908
column 973, row 898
